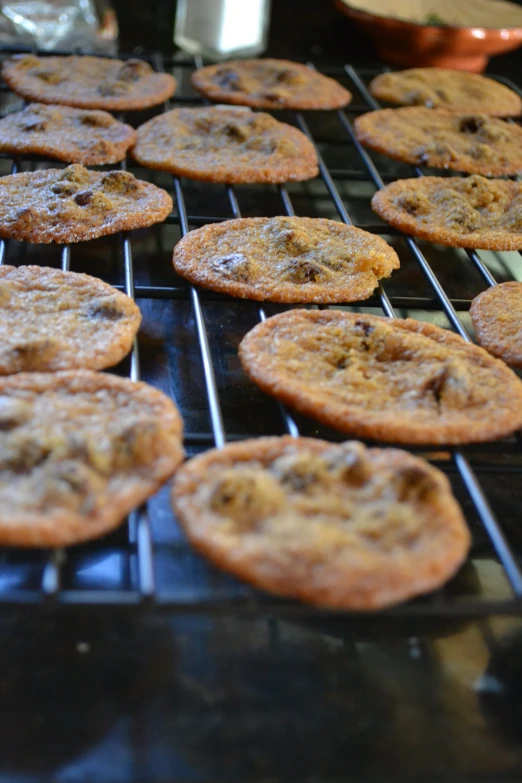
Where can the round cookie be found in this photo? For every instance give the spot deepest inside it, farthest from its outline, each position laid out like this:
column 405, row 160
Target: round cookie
column 456, row 211
column 74, row 204
column 93, row 138
column 225, row 145
column 497, row 319
column 472, row 143
column 446, row 89
column 87, row 82
column 285, row 259
column 269, row 84
column 388, row 379
column 52, row 320
column 335, row 525
column 78, row 451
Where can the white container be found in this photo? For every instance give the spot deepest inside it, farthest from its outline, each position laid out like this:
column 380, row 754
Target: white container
column 221, row 29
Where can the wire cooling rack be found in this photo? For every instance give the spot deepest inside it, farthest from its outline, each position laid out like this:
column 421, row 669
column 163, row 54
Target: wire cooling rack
column 188, row 348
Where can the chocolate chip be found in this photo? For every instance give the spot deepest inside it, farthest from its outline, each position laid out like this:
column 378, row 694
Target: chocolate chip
column 84, row 198
column 366, row 327
column 413, row 484
column 228, row 79
column 287, row 77
column 235, row 132
column 119, row 182
column 471, row 124
column 133, row 70
column 271, row 95
column 435, row 385
column 234, row 265
column 96, row 120
column 105, row 311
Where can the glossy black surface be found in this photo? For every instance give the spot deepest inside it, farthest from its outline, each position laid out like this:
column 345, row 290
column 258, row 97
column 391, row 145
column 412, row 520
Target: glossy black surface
column 229, row 685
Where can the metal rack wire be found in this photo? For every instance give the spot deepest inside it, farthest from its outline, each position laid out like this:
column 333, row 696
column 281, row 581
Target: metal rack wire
column 145, row 547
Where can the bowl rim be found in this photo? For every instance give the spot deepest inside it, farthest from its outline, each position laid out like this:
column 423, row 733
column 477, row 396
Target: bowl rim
column 349, row 10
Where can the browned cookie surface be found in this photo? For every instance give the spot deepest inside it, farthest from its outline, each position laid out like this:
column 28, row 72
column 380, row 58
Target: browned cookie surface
column 53, row 320
column 270, row 84
column 74, row 204
column 87, row 82
column 336, row 525
column 473, row 143
column 78, row 451
column 447, row 89
column 396, row 380
column 285, row 259
column 225, row 145
column 497, row 317
column 93, row 138
column 455, row 211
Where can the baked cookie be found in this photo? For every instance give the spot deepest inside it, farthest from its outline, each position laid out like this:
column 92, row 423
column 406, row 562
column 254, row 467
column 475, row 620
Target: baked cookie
column 74, row 204
column 93, row 138
column 225, row 145
column 497, row 318
column 396, row 380
column 473, row 143
column 335, row 525
column 455, row 211
column 87, row 82
column 78, row 451
column 53, row 320
column 447, row 89
column 285, row 259
column 269, row 84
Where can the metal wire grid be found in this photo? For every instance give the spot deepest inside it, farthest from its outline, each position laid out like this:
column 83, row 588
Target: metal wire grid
column 140, row 538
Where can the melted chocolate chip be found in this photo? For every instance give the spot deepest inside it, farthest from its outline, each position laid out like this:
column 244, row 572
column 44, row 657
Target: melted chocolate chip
column 366, row 327
column 228, row 79
column 84, row 198
column 105, row 311
column 471, row 124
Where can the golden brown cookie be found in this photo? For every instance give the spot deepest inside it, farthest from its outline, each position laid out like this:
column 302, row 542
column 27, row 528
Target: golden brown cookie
column 396, row 380
column 74, row 204
column 87, row 82
column 78, row 451
column 497, row 318
column 446, row 89
column 53, row 320
column 285, row 259
column 335, row 525
column 473, row 143
column 269, row 84
column 225, row 145
column 455, row 211
column 93, row 138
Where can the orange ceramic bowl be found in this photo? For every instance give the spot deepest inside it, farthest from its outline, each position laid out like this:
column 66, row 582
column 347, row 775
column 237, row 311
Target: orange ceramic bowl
column 410, row 44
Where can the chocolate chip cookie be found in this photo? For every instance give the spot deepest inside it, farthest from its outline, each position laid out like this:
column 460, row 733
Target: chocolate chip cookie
column 269, row 84
column 74, row 204
column 455, row 211
column 285, row 259
column 472, row 143
column 447, row 89
column 497, row 318
column 335, row 525
column 225, row 145
column 397, row 380
column 53, row 320
column 78, row 451
column 93, row 138
column 87, row 82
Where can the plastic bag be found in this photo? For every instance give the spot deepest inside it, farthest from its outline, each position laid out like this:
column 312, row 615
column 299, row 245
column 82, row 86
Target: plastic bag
column 88, row 25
